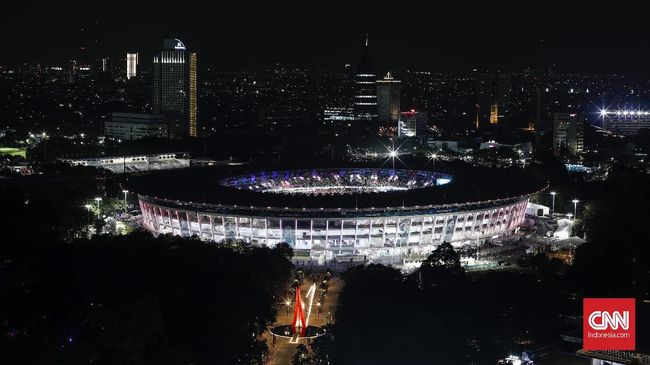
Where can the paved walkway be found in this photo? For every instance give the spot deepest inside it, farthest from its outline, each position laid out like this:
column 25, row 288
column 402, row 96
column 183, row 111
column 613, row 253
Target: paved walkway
column 282, row 351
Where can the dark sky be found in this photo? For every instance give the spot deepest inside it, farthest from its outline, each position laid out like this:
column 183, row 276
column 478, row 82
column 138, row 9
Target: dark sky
column 426, row 35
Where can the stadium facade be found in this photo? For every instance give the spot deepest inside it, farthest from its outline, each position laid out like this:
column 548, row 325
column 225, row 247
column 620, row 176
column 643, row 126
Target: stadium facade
column 350, row 214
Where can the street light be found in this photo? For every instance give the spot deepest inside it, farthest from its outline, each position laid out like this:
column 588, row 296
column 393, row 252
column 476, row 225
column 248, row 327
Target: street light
column 553, row 194
column 88, row 207
column 287, row 304
column 125, row 193
column 575, row 207
column 433, row 157
column 392, row 153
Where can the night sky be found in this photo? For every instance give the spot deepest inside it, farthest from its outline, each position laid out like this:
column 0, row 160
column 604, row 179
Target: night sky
column 231, row 35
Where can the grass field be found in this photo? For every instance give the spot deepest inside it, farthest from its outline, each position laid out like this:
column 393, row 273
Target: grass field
column 13, row 151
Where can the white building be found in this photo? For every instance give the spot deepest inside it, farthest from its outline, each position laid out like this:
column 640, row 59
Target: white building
column 136, row 163
column 447, row 145
column 131, row 65
column 537, row 210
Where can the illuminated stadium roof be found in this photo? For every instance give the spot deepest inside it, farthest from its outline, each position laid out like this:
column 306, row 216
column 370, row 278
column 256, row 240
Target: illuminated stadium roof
column 336, row 181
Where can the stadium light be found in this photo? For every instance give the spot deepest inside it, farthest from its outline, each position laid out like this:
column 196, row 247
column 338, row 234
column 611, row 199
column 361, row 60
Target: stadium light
column 603, row 112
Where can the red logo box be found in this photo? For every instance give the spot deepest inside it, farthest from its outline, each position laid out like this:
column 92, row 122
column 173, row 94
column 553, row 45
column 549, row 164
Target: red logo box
column 608, row 323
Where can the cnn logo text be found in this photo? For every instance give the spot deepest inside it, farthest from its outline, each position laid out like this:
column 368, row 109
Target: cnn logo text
column 609, row 324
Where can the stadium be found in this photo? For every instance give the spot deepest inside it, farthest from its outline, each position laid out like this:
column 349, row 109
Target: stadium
column 337, row 214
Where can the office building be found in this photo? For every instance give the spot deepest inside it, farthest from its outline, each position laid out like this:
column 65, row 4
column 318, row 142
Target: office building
column 388, row 99
column 365, row 87
column 338, row 114
column 412, row 124
column 193, row 108
column 131, row 65
column 568, row 134
column 130, row 126
column 493, row 97
column 175, row 88
column 503, row 95
column 106, row 64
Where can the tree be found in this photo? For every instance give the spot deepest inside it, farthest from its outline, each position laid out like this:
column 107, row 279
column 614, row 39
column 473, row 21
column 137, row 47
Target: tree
column 301, row 356
column 441, row 266
column 285, row 249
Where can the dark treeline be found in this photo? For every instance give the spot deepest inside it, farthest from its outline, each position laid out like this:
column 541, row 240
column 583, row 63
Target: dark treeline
column 437, row 315
column 139, row 300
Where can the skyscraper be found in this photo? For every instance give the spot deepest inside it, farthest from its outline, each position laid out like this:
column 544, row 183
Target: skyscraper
column 365, row 87
column 192, row 96
column 388, row 98
column 493, row 97
column 131, row 65
column 568, row 134
column 503, row 93
column 412, row 124
column 106, row 64
column 174, row 87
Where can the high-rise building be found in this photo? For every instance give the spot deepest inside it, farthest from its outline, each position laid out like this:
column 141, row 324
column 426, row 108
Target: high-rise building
column 388, row 99
column 365, row 87
column 568, row 134
column 412, row 124
column 175, row 88
column 192, row 96
column 106, row 64
column 503, row 94
column 131, row 65
column 494, row 113
column 493, row 97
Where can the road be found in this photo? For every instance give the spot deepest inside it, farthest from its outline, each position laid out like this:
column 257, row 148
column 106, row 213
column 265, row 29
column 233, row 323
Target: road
column 282, row 352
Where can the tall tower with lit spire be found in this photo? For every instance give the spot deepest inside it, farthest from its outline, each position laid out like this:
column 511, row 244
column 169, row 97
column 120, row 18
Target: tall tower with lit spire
column 365, row 87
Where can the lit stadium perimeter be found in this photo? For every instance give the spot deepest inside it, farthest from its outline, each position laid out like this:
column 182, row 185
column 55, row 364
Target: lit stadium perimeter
column 333, row 214
column 626, row 122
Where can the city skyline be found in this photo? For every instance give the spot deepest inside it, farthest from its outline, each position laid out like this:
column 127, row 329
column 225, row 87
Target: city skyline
column 265, row 183
column 445, row 38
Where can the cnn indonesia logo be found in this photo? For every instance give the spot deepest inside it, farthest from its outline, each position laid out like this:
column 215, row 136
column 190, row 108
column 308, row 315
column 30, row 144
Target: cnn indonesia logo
column 608, row 324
